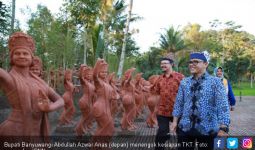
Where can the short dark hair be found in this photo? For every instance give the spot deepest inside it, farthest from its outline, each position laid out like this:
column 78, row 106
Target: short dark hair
column 168, row 59
column 219, row 68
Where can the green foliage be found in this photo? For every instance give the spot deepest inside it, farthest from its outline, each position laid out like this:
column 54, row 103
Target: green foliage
column 113, row 62
column 84, row 12
column 234, row 69
column 54, row 39
column 244, row 89
column 5, row 24
column 149, row 62
column 60, row 40
column 5, row 17
column 172, row 40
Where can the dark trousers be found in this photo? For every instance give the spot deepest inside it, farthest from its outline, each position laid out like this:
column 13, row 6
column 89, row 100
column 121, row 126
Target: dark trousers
column 192, row 138
column 163, row 130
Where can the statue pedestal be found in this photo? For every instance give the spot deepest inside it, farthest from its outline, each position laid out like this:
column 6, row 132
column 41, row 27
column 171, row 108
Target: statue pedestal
column 65, row 129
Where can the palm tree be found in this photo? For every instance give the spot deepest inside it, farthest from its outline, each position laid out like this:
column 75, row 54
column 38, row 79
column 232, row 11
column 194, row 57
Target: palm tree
column 172, row 42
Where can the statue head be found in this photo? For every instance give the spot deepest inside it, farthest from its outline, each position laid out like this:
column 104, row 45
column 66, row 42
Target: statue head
column 21, row 43
column 36, row 67
column 128, row 73
column 101, row 69
column 68, row 75
column 86, row 72
column 138, row 77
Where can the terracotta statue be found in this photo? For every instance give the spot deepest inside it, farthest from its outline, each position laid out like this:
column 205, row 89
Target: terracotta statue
column 128, row 101
column 37, row 67
column 152, row 102
column 86, row 101
column 60, row 79
column 29, row 96
column 101, row 108
column 52, row 80
column 115, row 100
column 139, row 94
column 69, row 109
column 146, row 90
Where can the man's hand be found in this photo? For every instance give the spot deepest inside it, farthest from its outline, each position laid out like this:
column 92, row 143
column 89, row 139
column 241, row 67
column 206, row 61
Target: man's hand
column 222, row 133
column 173, row 127
column 232, row 108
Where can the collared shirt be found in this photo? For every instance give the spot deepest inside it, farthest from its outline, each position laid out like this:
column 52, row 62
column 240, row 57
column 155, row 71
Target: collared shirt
column 202, row 104
column 167, row 88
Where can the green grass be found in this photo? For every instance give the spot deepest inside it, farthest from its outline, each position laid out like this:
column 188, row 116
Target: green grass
column 244, row 88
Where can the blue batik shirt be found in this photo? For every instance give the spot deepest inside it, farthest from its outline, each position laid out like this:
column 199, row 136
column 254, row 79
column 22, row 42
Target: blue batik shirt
column 202, row 104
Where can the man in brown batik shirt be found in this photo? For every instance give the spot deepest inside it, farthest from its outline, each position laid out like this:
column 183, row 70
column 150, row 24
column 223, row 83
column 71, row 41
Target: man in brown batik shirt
column 167, row 87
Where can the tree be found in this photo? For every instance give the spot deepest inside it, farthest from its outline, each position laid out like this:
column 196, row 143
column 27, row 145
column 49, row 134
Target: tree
column 13, row 15
column 194, row 37
column 148, row 63
column 123, row 51
column 5, row 24
column 54, row 39
column 172, row 42
column 84, row 14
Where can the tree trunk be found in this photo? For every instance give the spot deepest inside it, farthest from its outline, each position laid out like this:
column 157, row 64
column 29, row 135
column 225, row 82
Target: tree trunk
column 251, row 80
column 123, row 51
column 92, row 48
column 85, row 46
column 13, row 16
column 100, row 43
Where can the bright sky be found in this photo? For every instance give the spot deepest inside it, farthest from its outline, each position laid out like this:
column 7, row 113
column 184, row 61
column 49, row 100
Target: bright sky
column 161, row 14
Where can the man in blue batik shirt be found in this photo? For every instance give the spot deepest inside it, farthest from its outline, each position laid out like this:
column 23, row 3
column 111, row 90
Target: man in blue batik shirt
column 201, row 110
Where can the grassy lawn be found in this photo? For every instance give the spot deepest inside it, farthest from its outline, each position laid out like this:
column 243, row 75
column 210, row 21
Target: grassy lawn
column 244, row 88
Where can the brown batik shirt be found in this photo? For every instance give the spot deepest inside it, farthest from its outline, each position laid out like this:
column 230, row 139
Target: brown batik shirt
column 167, row 88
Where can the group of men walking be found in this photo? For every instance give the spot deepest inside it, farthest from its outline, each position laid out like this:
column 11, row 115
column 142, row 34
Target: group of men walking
column 196, row 108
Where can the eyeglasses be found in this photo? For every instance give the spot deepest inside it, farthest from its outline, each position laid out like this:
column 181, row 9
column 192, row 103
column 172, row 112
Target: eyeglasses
column 194, row 62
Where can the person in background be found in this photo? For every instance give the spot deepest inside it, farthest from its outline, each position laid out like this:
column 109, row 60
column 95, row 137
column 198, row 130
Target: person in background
column 218, row 72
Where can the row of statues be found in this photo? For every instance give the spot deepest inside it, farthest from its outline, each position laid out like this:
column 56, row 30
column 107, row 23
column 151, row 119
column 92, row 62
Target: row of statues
column 31, row 98
column 104, row 96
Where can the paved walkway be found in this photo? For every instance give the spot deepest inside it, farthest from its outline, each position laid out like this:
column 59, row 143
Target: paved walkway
column 242, row 119
column 242, row 124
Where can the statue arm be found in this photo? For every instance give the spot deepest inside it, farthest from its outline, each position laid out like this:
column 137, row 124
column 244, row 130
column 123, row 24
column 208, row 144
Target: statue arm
column 56, row 99
column 97, row 82
column 5, row 80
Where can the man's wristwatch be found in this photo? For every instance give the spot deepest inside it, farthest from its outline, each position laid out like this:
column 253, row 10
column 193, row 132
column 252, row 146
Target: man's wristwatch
column 225, row 129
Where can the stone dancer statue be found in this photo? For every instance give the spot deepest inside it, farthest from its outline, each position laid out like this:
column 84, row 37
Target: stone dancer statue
column 29, row 96
column 101, row 108
column 52, row 79
column 146, row 90
column 152, row 102
column 128, row 101
column 86, row 101
column 69, row 109
column 60, row 79
column 37, row 67
column 115, row 97
column 139, row 94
